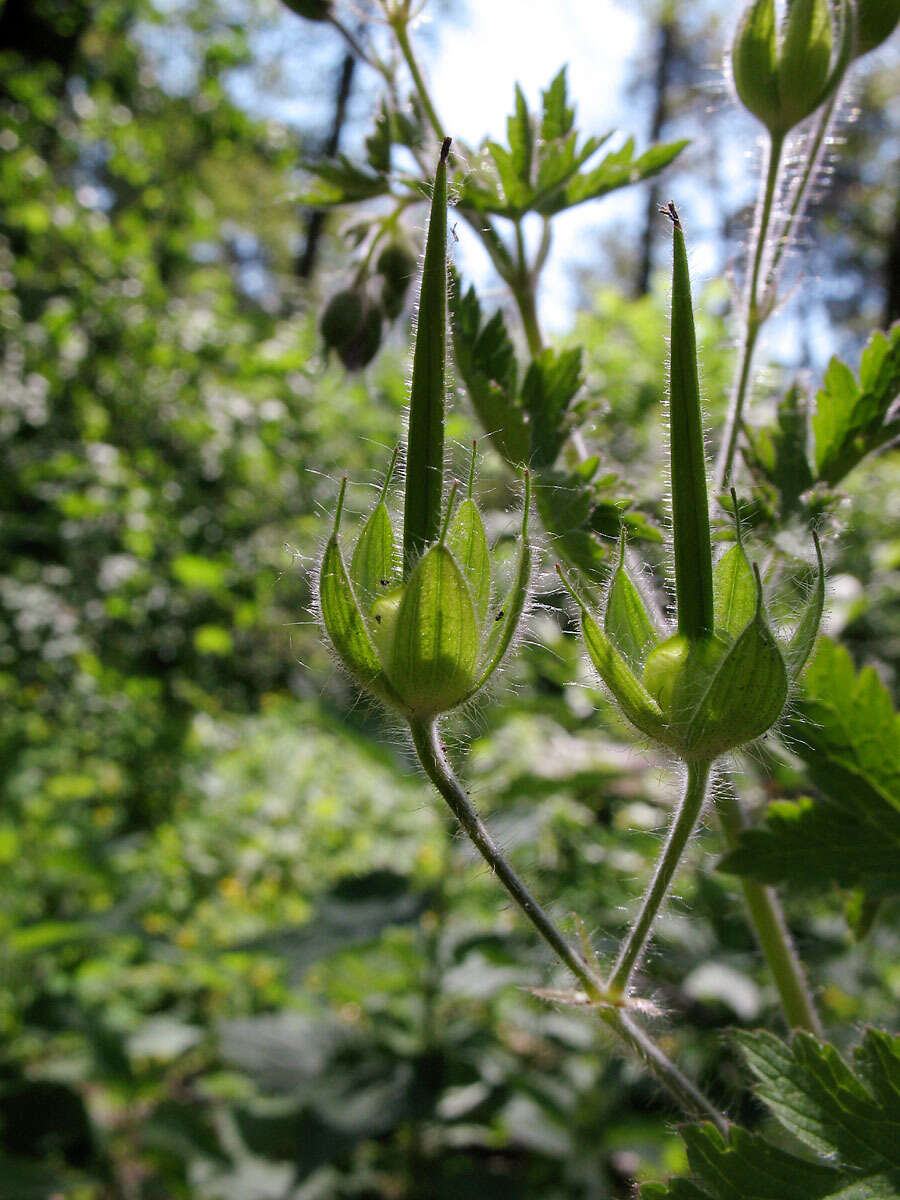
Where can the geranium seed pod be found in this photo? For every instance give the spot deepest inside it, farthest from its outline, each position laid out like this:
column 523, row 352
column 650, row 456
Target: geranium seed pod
column 427, row 400
column 690, row 508
column 627, row 623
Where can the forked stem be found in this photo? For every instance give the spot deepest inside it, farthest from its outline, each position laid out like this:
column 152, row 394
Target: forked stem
column 427, row 742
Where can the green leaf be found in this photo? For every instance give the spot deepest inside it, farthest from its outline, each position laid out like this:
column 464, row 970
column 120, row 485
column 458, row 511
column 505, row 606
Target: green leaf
column 619, row 169
column 778, row 453
column 378, row 143
column 486, row 361
column 436, row 643
column 557, row 118
column 734, row 591
column 814, row 1095
column 846, row 730
column 848, row 1119
column 545, row 178
column 550, row 385
column 466, row 539
column 626, row 621
column 852, row 418
column 372, row 565
column 520, row 135
column 809, row 843
column 340, row 181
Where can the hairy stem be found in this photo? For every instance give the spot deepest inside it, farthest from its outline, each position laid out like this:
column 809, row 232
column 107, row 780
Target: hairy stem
column 753, row 319
column 683, row 825
column 800, row 191
column 433, row 759
column 771, row 929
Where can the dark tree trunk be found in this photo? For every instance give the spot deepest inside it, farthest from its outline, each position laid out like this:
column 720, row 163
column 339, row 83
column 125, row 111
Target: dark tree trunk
column 665, row 47
column 315, row 220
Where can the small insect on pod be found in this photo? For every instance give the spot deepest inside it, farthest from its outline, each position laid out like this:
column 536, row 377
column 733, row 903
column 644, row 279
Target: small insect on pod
column 417, row 628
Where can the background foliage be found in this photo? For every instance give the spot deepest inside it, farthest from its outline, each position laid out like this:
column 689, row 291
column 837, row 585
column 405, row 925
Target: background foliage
column 241, row 953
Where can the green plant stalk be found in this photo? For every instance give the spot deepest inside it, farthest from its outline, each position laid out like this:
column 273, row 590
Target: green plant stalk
column 683, row 825
column 690, row 506
column 426, row 740
column 753, row 319
column 801, row 189
column 427, row 397
column 522, row 286
column 771, row 929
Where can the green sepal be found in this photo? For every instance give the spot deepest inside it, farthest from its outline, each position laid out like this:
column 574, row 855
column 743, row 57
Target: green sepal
column 635, row 701
column 503, row 628
column 803, row 638
column 436, row 643
column 345, row 624
column 734, row 590
column 626, row 621
column 745, row 695
column 466, row 539
column 754, row 62
column 372, row 564
column 804, row 61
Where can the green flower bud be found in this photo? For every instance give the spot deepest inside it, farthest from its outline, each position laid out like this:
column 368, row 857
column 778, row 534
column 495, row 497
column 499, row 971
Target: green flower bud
column 783, row 80
column 876, row 20
column 720, row 679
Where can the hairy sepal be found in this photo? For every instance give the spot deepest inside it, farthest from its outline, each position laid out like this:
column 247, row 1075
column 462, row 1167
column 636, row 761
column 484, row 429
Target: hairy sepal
column 436, row 643
column 346, row 626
